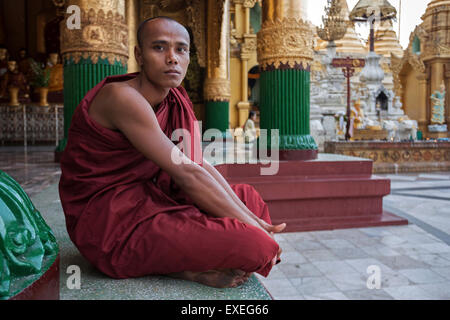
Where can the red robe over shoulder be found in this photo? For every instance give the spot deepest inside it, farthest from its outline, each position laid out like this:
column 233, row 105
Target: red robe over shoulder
column 127, row 216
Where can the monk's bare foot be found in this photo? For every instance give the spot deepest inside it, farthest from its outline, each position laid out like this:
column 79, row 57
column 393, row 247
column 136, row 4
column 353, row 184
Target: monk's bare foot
column 229, row 278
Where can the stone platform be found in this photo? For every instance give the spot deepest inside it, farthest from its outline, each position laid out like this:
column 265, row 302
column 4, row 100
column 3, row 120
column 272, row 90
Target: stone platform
column 96, row 286
column 396, row 157
column 332, row 192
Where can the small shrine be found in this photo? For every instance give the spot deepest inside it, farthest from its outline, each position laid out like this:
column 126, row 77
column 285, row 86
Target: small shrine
column 31, row 76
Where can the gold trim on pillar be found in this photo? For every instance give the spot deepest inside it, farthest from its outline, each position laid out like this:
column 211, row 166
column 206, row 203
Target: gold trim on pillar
column 286, row 38
column 217, row 89
column 286, row 43
column 103, row 32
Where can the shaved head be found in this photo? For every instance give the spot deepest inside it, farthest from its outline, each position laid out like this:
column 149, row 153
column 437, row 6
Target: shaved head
column 141, row 29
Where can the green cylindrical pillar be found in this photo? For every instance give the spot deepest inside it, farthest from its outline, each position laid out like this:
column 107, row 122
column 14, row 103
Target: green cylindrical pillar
column 93, row 50
column 285, row 106
column 217, row 115
column 285, row 51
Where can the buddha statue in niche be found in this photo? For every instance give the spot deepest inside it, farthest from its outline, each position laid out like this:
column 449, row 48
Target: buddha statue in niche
column 14, row 83
column 56, row 81
column 56, row 73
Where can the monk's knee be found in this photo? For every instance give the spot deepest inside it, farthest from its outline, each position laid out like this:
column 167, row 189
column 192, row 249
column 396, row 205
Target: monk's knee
column 257, row 249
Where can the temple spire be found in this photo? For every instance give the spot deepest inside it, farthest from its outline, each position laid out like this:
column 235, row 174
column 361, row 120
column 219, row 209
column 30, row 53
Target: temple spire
column 350, row 43
column 386, row 41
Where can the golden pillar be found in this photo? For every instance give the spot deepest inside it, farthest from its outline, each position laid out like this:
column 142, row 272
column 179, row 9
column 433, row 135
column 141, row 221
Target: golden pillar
column 132, row 12
column 248, row 49
column 217, row 90
column 285, row 37
column 94, row 45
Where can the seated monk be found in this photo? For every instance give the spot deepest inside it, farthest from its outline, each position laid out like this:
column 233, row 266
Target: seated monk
column 132, row 210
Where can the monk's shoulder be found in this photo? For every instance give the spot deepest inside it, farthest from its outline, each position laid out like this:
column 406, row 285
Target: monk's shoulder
column 106, row 103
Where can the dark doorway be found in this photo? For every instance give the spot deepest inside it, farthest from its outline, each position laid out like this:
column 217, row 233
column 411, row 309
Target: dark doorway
column 382, row 102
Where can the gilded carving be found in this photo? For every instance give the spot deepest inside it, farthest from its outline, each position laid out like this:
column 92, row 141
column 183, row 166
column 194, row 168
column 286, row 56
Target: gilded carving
column 249, row 46
column 216, row 89
column 100, row 34
column 285, row 42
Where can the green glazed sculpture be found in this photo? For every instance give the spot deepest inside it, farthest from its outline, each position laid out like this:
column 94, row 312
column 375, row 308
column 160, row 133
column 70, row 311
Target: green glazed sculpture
column 27, row 245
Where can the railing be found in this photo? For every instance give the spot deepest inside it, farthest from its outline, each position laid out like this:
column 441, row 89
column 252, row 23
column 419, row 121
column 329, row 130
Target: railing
column 31, row 124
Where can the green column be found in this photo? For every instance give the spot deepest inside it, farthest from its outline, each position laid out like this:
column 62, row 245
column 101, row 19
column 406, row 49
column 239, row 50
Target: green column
column 217, row 115
column 79, row 78
column 285, row 53
column 285, row 105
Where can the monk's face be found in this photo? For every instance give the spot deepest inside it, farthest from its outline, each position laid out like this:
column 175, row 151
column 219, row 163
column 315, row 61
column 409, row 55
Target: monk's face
column 164, row 56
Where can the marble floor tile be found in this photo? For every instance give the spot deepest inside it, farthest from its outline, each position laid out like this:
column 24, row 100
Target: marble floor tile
column 333, row 267
column 348, row 281
column 337, row 243
column 438, row 291
column 302, row 245
column 376, row 231
column 293, row 257
column 380, row 250
column 298, row 236
column 443, row 271
column 393, row 241
column 327, row 296
column 275, row 274
column 432, row 259
column 368, row 294
column 323, row 234
column 436, row 247
column 401, row 262
column 410, row 249
column 299, row 270
column 408, row 293
column 313, row 285
column 394, row 279
column 350, row 253
column 280, row 289
column 361, row 265
column 286, row 246
column 293, row 297
column 422, row 276
column 319, row 255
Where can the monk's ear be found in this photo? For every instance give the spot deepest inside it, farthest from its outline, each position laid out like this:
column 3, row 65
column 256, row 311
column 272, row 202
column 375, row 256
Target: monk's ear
column 138, row 55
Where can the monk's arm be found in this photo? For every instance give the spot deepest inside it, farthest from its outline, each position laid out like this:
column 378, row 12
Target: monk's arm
column 224, row 184
column 133, row 116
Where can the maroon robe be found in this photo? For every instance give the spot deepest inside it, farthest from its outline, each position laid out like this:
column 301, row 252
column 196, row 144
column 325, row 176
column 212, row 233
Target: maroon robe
column 129, row 219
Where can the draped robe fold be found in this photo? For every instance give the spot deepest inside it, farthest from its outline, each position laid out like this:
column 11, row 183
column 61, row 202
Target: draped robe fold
column 128, row 218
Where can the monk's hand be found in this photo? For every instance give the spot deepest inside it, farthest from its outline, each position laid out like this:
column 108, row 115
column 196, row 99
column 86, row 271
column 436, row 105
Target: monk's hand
column 270, row 228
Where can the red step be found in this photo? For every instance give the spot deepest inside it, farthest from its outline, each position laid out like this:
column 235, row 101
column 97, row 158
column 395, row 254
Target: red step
column 319, row 194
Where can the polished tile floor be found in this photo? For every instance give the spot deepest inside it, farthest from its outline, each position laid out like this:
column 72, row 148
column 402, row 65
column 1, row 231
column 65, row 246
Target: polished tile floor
column 32, row 167
column 399, row 262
